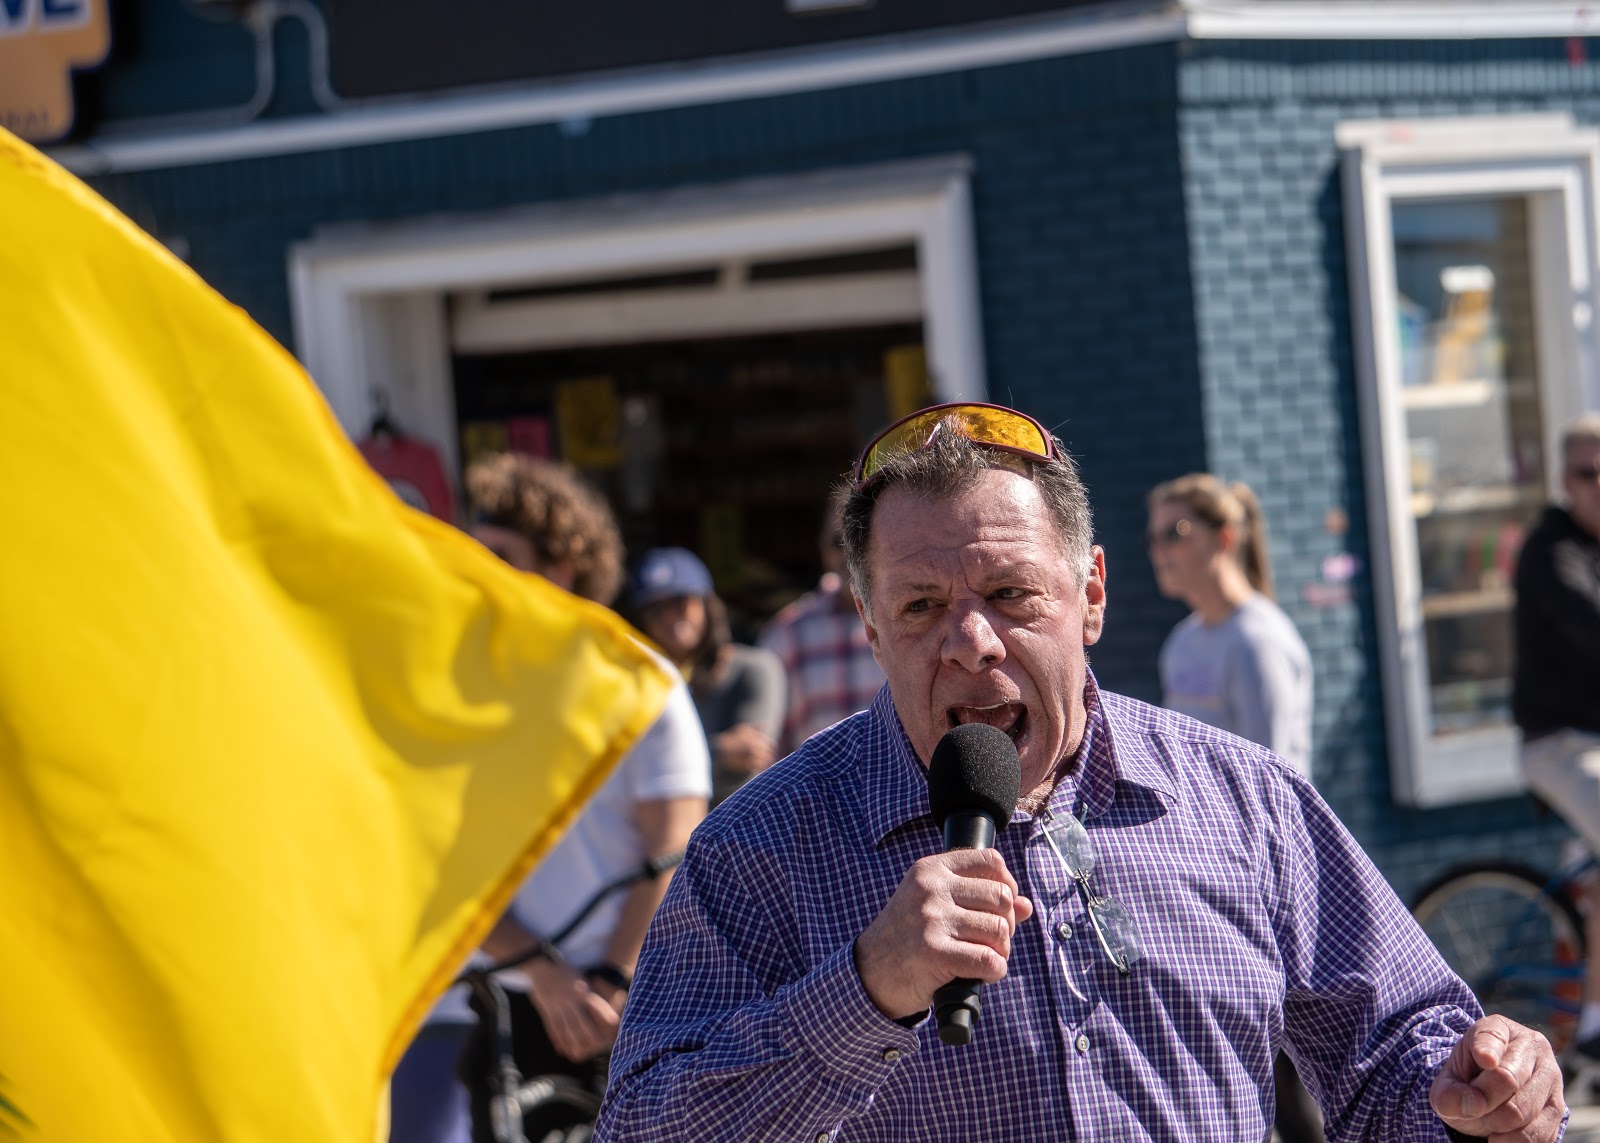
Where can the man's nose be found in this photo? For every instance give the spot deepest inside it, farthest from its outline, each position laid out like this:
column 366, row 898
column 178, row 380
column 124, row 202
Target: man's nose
column 971, row 641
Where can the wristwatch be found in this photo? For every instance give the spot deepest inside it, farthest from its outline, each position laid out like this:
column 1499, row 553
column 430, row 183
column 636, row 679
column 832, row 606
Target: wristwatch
column 612, row 975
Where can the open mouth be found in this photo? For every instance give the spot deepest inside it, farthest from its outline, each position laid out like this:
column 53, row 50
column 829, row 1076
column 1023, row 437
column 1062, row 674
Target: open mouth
column 1011, row 717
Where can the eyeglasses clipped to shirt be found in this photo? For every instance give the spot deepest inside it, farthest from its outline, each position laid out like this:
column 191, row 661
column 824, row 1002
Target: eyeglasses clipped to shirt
column 1113, row 925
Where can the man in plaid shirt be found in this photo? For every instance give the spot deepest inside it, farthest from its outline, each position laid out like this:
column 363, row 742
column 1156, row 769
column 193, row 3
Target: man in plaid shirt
column 1169, row 906
column 823, row 647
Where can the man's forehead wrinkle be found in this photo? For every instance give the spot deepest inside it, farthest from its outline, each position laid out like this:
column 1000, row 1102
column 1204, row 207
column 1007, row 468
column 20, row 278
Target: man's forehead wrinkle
column 979, row 567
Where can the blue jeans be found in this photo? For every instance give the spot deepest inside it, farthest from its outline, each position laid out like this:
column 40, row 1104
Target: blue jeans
column 427, row 1103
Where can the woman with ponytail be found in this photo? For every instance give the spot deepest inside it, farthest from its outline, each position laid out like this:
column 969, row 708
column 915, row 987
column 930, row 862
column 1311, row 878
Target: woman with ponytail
column 1237, row 661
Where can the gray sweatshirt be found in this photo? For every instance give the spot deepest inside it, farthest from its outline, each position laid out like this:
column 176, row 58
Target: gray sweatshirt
column 1249, row 674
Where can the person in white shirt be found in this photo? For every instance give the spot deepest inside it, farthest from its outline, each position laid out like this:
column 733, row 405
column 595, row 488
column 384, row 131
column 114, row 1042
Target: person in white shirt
column 567, row 1002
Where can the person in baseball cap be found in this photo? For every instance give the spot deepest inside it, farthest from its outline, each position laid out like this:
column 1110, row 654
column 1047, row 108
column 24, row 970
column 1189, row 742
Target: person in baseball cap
column 738, row 690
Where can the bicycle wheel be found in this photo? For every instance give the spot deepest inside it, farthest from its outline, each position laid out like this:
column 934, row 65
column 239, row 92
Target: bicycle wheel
column 1519, row 946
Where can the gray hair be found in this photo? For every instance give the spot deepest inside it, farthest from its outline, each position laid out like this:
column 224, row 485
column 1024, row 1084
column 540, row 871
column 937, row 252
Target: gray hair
column 951, row 464
column 1583, row 430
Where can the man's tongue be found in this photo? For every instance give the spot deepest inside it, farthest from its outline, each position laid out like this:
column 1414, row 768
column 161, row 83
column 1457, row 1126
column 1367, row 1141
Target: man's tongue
column 1004, row 716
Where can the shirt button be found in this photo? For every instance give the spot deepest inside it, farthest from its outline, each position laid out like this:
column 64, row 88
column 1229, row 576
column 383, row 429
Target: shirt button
column 1081, row 1043
column 890, row 1055
column 1063, row 931
column 822, row 1138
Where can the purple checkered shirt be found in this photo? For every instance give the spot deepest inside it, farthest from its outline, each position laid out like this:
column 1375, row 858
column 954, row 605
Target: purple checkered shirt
column 1264, row 926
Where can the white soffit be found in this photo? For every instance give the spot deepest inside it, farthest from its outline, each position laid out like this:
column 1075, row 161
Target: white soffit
column 1388, row 19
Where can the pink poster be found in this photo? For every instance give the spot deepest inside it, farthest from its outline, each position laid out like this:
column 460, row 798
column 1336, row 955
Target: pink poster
column 530, row 435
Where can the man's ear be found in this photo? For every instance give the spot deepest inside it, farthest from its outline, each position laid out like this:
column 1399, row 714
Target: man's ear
column 1094, row 597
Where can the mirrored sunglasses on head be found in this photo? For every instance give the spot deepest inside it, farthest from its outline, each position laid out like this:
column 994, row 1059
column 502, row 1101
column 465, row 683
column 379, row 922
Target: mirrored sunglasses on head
column 1113, row 925
column 994, row 426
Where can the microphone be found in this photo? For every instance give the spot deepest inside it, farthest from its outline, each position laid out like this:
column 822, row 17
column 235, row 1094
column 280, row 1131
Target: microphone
column 973, row 780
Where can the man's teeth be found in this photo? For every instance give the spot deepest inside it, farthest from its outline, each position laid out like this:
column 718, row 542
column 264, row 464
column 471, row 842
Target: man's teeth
column 1003, row 715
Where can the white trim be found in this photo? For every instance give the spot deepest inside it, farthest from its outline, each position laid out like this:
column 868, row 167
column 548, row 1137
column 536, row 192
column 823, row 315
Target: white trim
column 1388, row 19
column 1452, row 136
column 479, row 325
column 348, row 329
column 1554, row 164
column 680, row 85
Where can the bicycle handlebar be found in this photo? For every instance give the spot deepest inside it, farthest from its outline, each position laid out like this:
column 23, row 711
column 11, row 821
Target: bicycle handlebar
column 652, row 868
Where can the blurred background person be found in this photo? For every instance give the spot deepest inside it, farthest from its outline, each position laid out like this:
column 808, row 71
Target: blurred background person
column 566, row 1003
column 822, row 644
column 738, row 690
column 1237, row 661
column 1555, row 695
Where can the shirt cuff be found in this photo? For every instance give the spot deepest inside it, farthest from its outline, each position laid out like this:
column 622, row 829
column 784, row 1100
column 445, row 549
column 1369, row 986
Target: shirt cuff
column 832, row 1019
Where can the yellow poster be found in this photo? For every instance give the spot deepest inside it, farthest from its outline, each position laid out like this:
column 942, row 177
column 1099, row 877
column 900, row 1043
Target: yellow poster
column 589, row 414
column 905, row 380
column 722, row 544
column 482, row 438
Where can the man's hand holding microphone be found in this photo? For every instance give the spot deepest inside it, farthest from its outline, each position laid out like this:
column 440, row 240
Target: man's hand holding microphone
column 948, row 927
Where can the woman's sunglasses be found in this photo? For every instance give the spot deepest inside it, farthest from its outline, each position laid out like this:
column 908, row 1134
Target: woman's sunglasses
column 992, row 426
column 1174, row 533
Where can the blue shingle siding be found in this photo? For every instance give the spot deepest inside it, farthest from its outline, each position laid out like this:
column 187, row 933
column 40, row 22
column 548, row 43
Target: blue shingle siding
column 1266, row 235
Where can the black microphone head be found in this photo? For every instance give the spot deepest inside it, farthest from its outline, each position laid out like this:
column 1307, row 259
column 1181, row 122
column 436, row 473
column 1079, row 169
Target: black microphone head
column 974, row 769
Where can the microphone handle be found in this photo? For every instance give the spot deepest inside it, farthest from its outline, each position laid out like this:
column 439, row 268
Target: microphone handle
column 967, row 829
column 958, row 1004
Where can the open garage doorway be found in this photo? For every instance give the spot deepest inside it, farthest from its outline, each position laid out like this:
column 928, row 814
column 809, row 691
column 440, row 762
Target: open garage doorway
column 726, row 446
column 758, row 329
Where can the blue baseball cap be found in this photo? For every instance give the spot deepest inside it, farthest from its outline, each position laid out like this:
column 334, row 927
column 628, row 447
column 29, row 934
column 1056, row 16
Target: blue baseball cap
column 666, row 573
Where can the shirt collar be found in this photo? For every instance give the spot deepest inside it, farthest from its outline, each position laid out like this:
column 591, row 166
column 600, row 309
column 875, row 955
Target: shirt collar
column 897, row 784
column 897, row 790
column 1109, row 754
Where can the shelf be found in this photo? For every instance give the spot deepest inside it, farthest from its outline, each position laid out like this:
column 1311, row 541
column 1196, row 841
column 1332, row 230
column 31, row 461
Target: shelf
column 1460, row 394
column 1447, row 395
column 1452, row 605
column 1480, row 498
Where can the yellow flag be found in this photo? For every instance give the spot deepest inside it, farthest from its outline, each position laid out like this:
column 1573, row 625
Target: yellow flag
column 274, row 748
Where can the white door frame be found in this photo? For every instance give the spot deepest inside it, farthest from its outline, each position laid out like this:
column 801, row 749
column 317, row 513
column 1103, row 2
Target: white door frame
column 368, row 301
